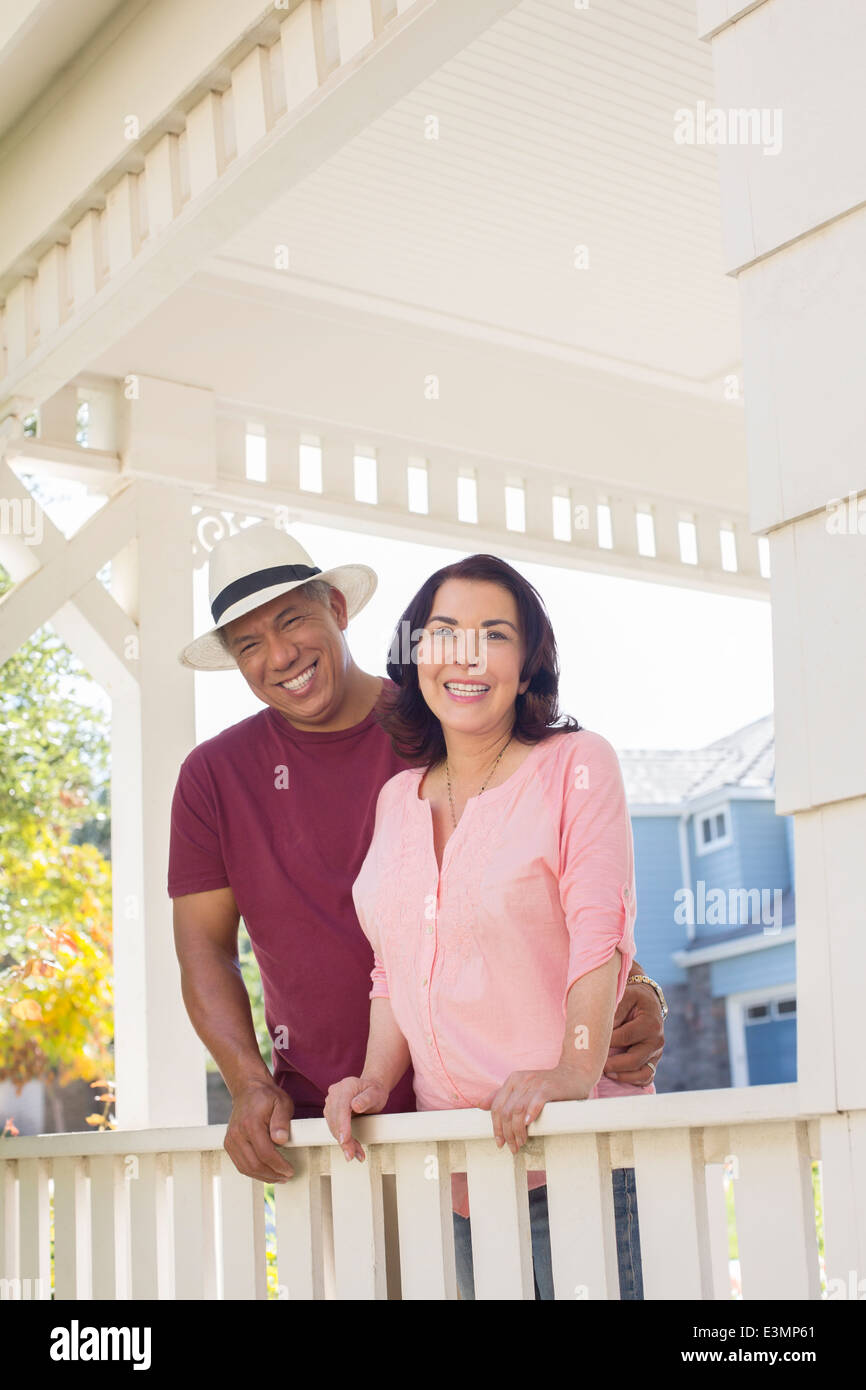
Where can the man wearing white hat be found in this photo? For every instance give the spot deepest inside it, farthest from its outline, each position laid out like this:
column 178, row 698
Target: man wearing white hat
column 271, row 821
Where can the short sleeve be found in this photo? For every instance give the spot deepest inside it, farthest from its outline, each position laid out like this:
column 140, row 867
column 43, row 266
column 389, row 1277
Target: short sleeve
column 366, row 892
column 596, row 871
column 195, row 859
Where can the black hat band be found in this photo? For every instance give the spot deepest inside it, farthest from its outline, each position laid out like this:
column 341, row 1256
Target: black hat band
column 261, row 579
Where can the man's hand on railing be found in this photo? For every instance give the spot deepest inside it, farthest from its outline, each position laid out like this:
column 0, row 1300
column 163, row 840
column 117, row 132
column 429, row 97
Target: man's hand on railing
column 261, row 1112
column 638, row 1028
column 353, row 1095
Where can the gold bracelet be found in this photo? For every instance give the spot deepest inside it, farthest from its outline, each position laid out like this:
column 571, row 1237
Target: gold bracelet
column 653, row 984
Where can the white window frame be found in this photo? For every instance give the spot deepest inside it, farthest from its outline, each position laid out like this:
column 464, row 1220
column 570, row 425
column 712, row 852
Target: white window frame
column 727, row 838
column 735, row 1009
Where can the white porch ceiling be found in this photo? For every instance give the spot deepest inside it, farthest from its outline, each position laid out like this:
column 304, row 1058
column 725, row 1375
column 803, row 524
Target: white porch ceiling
column 555, row 131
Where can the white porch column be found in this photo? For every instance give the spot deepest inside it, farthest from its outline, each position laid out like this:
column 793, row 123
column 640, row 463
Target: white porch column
column 795, row 236
column 167, row 440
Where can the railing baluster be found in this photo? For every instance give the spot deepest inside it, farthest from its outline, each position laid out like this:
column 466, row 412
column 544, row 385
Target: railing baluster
column 672, row 1211
column 426, row 1226
column 8, row 1219
column 72, row 1262
column 148, row 1224
column 843, row 1164
column 109, row 1228
column 717, row 1216
column 300, row 1228
column 34, row 1234
column 359, row 1226
column 580, row 1204
column 775, row 1211
column 499, row 1210
column 194, row 1249
column 242, row 1208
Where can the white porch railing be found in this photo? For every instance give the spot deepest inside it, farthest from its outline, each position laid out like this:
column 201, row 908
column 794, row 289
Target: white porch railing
column 164, row 1214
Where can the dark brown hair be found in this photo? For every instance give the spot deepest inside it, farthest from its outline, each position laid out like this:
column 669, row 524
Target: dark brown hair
column 415, row 732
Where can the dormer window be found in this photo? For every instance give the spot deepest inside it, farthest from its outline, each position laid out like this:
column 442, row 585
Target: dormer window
column 713, row 829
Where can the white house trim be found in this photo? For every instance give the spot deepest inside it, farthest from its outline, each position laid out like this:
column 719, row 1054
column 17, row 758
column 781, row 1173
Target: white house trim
column 742, row 946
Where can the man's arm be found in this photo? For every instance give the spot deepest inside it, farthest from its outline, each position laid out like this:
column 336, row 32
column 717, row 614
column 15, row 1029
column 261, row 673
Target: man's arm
column 638, row 1026
column 216, row 999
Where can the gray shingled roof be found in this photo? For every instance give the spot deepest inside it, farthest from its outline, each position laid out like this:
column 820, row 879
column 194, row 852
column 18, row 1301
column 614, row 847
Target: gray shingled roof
column 669, row 776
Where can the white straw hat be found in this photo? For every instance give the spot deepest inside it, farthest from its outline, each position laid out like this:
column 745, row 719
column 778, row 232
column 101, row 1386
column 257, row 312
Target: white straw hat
column 251, row 568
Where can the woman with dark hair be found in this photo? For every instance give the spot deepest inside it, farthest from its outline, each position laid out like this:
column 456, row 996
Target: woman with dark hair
column 498, row 889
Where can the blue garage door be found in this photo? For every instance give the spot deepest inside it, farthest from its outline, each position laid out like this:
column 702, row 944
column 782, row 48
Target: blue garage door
column 771, row 1042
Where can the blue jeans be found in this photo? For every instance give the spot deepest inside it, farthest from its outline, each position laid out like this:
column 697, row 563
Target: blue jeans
column 627, row 1242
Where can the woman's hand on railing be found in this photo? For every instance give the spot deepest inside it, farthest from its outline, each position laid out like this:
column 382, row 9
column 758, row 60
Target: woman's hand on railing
column 524, row 1094
column 354, row 1095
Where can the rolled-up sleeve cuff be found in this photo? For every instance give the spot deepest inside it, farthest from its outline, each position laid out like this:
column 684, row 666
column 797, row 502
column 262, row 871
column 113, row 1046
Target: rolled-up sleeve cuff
column 380, row 980
column 588, row 953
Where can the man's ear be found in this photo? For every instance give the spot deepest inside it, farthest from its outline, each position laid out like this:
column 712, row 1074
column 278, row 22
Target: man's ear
column 339, row 608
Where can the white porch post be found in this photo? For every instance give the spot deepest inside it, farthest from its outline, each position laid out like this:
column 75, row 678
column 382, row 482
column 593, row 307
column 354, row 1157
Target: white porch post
column 795, row 236
column 167, row 446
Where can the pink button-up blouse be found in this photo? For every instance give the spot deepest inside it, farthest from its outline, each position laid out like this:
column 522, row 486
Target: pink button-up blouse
column 536, row 889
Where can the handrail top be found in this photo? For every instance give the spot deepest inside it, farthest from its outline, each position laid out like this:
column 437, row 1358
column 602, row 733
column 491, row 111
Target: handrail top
column 680, row 1109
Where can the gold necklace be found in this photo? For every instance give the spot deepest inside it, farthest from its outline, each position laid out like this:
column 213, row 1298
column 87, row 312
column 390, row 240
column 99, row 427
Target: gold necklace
column 486, row 780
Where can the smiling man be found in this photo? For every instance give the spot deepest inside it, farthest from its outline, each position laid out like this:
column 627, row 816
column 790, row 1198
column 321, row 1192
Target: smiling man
column 271, row 821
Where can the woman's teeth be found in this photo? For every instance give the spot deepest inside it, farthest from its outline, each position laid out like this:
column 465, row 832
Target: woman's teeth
column 300, row 681
column 460, row 689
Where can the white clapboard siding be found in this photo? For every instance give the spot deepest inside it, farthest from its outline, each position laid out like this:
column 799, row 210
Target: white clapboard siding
column 580, row 1205
column 300, row 1228
column 146, row 1178
column 72, row 1263
column 8, row 1219
column 242, row 1233
column 425, row 1222
column 109, row 1228
column 843, row 1168
column 672, row 1213
column 717, row 1218
column 194, row 1233
column 775, row 1210
column 33, row 1219
column 499, row 1211
column 359, row 1226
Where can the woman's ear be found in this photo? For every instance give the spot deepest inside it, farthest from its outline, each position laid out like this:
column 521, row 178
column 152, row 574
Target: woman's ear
column 523, row 687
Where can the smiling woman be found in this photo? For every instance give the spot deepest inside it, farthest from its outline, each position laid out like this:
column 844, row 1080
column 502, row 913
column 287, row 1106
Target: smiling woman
column 498, row 889
column 412, row 723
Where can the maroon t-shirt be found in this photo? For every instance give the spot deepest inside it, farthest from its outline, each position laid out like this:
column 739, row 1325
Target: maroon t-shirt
column 284, row 817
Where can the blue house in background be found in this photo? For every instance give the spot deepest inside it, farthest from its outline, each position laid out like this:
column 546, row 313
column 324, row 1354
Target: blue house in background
column 714, row 869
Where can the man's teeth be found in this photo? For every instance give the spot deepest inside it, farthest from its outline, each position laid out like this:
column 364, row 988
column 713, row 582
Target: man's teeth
column 300, row 681
column 466, row 689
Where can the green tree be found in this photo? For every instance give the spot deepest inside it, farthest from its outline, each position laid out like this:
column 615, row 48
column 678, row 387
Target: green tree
column 56, row 1019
